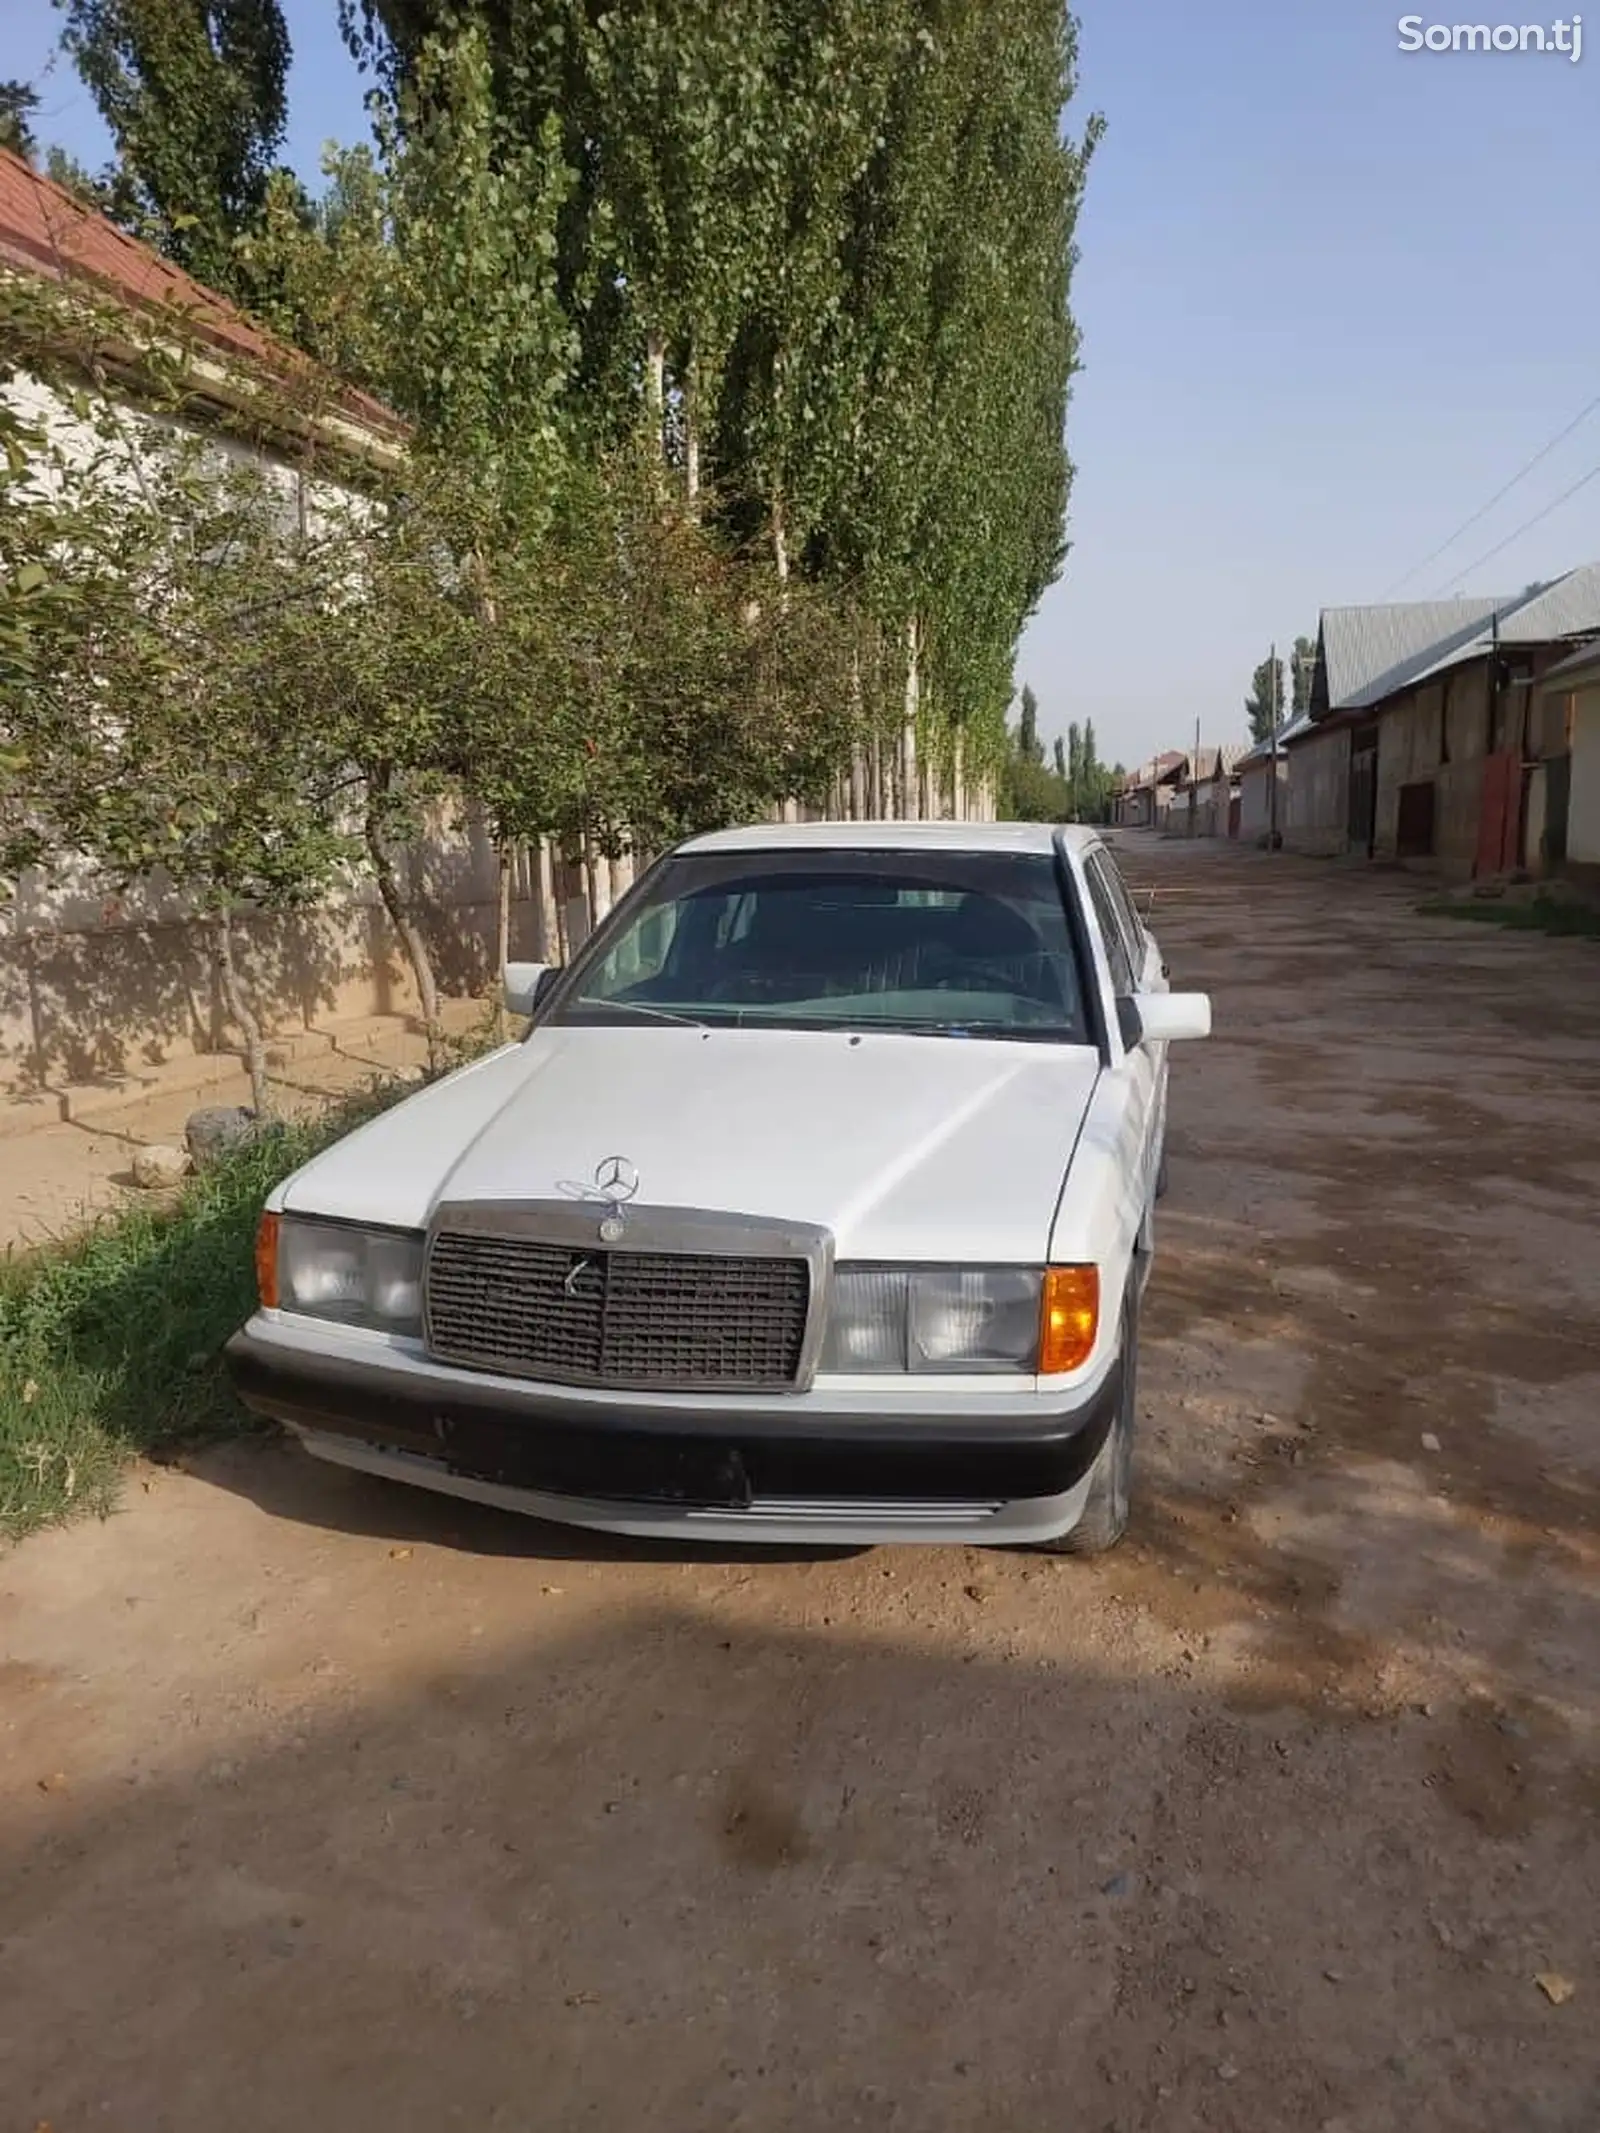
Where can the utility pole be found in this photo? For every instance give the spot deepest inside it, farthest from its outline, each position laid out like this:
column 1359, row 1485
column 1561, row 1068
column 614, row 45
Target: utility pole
column 1272, row 761
column 1194, row 774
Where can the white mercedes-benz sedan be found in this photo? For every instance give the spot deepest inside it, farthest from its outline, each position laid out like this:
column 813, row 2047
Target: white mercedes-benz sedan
column 816, row 1204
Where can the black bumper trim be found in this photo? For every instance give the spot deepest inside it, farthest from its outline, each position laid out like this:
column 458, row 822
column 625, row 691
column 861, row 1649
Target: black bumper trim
column 562, row 1446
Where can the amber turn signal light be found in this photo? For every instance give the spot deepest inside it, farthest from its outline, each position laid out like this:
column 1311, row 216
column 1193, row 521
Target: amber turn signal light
column 1069, row 1317
column 267, row 1262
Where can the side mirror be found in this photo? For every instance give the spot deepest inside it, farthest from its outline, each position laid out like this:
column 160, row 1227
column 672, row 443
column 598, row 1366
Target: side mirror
column 1164, row 1017
column 526, row 984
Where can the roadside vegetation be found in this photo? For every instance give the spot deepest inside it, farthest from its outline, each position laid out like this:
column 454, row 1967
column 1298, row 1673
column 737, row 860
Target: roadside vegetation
column 1540, row 914
column 672, row 432
column 1072, row 786
column 731, row 354
column 111, row 1341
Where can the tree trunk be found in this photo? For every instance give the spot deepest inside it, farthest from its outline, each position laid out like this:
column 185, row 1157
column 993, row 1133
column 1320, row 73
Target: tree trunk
column 780, row 541
column 549, row 931
column 853, row 781
column 655, row 393
column 563, row 929
column 908, row 730
column 596, row 881
column 691, row 435
column 875, row 804
column 502, row 939
column 958, row 782
column 238, row 1007
column 408, row 932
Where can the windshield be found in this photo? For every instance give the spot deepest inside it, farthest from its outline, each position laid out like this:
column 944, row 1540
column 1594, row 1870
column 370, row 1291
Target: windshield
column 951, row 944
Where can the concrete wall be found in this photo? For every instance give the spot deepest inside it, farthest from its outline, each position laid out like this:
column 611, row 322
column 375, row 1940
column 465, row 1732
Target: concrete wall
column 1255, row 800
column 1583, row 813
column 1318, row 790
column 94, row 985
column 1211, row 808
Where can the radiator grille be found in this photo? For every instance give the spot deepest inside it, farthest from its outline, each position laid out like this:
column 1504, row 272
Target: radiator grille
column 581, row 1315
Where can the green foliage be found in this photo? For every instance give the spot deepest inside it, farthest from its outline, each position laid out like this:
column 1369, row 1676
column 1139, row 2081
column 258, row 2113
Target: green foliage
column 1078, row 788
column 736, row 353
column 1029, row 745
column 193, row 93
column 1264, row 705
column 110, row 1344
column 842, row 238
column 67, row 172
column 1302, row 667
column 18, row 105
column 1031, row 793
column 144, row 696
column 321, row 270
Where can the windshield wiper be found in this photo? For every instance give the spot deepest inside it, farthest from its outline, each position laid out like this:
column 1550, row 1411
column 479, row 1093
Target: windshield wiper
column 639, row 1007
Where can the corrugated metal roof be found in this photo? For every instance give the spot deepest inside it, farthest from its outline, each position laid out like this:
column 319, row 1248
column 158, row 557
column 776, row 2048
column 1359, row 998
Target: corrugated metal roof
column 1569, row 669
column 1568, row 607
column 1217, row 762
column 1369, row 652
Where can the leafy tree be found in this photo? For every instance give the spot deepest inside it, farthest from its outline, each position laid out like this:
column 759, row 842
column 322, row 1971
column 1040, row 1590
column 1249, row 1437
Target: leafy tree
column 827, row 253
column 321, row 271
column 1304, row 661
column 67, row 172
column 1029, row 745
column 1264, row 705
column 18, row 103
column 1061, row 757
column 194, row 95
column 148, row 711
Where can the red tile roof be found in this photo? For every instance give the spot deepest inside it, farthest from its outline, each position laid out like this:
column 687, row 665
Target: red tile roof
column 45, row 230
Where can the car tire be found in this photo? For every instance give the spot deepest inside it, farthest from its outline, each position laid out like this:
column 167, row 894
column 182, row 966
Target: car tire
column 1104, row 1517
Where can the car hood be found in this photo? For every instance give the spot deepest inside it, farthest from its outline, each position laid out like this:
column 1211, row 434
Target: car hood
column 902, row 1146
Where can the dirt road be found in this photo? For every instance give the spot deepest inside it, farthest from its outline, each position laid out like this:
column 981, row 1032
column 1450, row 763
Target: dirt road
column 325, row 1805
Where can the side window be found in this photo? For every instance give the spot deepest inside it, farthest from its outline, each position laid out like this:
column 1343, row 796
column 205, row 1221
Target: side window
column 1109, row 920
column 1133, row 925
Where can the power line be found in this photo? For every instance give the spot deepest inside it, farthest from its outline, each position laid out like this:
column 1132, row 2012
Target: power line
column 1521, row 474
column 1527, row 527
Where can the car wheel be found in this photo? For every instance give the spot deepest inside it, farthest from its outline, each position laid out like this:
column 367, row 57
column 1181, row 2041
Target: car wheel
column 1105, row 1514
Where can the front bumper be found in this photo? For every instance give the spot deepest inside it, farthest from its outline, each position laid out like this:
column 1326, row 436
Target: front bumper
column 813, row 1468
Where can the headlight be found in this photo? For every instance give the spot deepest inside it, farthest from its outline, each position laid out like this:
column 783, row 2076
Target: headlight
column 335, row 1271
column 932, row 1319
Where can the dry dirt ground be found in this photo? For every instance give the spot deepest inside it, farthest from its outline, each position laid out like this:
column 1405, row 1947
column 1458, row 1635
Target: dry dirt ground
column 323, row 1804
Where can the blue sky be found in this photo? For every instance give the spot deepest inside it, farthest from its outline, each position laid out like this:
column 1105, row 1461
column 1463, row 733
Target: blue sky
column 1332, row 296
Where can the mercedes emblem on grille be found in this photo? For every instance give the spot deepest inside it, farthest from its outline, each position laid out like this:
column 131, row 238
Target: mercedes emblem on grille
column 616, row 1181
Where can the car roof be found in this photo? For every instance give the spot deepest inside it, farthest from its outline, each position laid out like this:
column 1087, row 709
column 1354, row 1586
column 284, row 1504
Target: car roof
column 896, row 837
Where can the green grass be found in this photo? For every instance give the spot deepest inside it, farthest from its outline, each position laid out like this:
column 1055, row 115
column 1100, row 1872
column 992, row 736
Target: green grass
column 1544, row 914
column 110, row 1342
